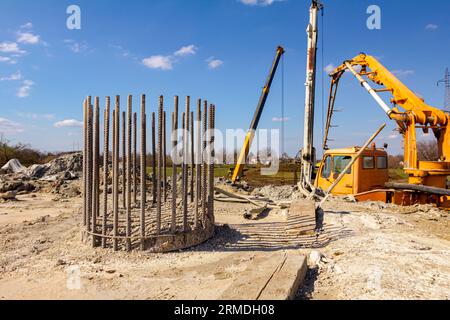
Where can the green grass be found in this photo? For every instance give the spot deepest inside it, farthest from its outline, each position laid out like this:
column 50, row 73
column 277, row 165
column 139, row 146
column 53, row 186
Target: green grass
column 252, row 174
column 220, row 171
column 397, row 175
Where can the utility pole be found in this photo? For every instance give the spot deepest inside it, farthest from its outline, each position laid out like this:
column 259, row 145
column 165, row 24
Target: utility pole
column 308, row 156
column 446, row 82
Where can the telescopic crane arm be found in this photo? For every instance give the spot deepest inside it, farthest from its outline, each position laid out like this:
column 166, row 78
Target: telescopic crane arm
column 256, row 117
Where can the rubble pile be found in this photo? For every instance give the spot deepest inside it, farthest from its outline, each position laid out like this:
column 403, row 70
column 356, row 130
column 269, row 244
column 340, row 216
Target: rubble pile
column 275, row 192
column 16, row 179
column 12, row 166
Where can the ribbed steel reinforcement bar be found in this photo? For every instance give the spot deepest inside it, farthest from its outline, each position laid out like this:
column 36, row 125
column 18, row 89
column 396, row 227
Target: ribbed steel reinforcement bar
column 174, row 137
column 198, row 159
column 128, row 170
column 143, row 170
column 160, row 162
column 116, row 173
column 135, row 165
column 85, row 155
column 211, row 154
column 105, row 169
column 204, row 160
column 154, row 157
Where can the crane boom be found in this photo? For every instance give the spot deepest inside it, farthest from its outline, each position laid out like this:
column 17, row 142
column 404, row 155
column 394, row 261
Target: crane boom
column 256, row 117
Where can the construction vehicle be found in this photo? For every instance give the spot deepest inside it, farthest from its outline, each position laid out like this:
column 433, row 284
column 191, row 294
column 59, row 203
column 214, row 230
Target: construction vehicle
column 237, row 172
column 370, row 171
column 427, row 180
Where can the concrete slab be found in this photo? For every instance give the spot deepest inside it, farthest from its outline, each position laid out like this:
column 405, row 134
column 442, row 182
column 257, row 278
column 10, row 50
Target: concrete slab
column 270, row 276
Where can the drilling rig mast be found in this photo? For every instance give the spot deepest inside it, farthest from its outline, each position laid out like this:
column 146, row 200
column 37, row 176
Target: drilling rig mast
column 308, row 157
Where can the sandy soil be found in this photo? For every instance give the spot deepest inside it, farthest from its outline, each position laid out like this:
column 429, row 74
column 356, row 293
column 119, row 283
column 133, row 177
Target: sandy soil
column 392, row 253
column 371, row 253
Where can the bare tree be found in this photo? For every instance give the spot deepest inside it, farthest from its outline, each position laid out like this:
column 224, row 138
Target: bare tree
column 395, row 162
column 427, row 151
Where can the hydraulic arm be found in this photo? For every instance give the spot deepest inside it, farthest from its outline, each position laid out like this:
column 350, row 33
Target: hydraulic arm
column 408, row 110
column 256, row 117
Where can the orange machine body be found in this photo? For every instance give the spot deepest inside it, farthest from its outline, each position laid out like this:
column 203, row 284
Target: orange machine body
column 369, row 172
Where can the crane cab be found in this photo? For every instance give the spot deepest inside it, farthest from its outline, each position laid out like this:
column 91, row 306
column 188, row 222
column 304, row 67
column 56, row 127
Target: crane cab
column 369, row 172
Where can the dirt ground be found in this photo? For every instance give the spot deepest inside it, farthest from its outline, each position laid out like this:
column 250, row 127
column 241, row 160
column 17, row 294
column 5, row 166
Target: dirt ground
column 374, row 251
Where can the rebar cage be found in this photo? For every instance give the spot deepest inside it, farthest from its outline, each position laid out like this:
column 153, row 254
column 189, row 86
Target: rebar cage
column 129, row 200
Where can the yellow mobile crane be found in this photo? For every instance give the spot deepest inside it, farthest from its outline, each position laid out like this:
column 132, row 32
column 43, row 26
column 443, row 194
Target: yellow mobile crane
column 411, row 113
column 237, row 173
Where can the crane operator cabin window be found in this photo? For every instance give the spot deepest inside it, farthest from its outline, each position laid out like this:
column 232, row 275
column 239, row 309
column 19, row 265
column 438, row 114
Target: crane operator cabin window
column 326, row 171
column 368, row 162
column 340, row 162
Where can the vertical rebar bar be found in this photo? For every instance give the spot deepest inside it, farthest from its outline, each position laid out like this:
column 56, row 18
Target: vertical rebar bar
column 89, row 165
column 192, row 160
column 134, row 158
column 185, row 163
column 85, row 140
column 183, row 172
column 204, row 159
column 95, row 170
column 128, row 172
column 212, row 111
column 113, row 164
column 116, row 172
column 164, row 155
column 160, row 156
column 143, row 170
column 174, row 165
column 154, row 157
column 198, row 166
column 124, row 151
column 105, row 169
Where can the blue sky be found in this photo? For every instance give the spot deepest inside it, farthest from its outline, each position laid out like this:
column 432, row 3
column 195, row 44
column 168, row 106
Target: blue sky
column 218, row 49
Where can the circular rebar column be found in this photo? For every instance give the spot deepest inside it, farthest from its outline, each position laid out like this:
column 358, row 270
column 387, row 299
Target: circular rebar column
column 155, row 227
